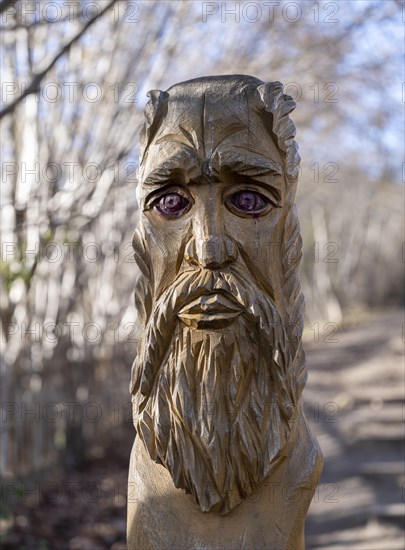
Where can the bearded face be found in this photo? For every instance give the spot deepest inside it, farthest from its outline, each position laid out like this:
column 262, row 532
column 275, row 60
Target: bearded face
column 220, row 368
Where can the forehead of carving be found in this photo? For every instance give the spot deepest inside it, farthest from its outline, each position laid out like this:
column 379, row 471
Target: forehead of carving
column 205, row 111
column 203, row 122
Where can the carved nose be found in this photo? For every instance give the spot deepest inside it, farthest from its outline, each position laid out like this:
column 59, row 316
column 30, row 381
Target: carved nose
column 211, row 253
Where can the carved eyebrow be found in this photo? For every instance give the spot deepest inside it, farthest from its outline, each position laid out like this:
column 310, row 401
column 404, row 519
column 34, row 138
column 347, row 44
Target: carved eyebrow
column 161, row 175
column 249, row 164
column 177, row 166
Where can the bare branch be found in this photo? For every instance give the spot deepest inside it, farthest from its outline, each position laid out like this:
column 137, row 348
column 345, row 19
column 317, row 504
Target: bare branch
column 6, row 4
column 34, row 85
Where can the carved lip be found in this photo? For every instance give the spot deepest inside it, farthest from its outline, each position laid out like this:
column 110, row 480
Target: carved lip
column 210, row 309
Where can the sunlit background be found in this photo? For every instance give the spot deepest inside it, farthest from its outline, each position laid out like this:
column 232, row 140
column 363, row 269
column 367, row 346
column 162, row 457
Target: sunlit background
column 74, row 80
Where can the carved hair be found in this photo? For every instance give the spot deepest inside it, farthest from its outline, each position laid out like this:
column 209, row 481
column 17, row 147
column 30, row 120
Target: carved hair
column 280, row 106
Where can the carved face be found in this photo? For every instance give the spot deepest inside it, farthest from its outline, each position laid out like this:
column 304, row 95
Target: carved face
column 213, row 384
column 212, row 189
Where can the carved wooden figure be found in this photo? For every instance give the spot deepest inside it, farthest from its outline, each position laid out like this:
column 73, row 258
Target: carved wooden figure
column 223, row 457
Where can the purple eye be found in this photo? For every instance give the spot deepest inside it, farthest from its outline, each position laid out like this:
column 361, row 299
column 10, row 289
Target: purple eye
column 172, row 205
column 248, row 202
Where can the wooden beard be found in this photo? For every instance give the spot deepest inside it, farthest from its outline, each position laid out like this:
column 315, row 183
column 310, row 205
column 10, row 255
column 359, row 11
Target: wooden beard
column 215, row 410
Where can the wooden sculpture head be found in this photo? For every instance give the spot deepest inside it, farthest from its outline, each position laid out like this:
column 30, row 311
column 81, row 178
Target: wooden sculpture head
column 217, row 380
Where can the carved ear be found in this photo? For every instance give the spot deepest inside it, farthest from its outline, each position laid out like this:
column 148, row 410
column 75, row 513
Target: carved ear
column 280, row 106
column 155, row 110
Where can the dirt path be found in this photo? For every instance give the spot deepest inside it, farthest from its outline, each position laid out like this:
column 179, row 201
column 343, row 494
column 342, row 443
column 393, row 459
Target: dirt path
column 354, row 401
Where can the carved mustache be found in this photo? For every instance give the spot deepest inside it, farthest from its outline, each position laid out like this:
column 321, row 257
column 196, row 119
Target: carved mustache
column 233, row 285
